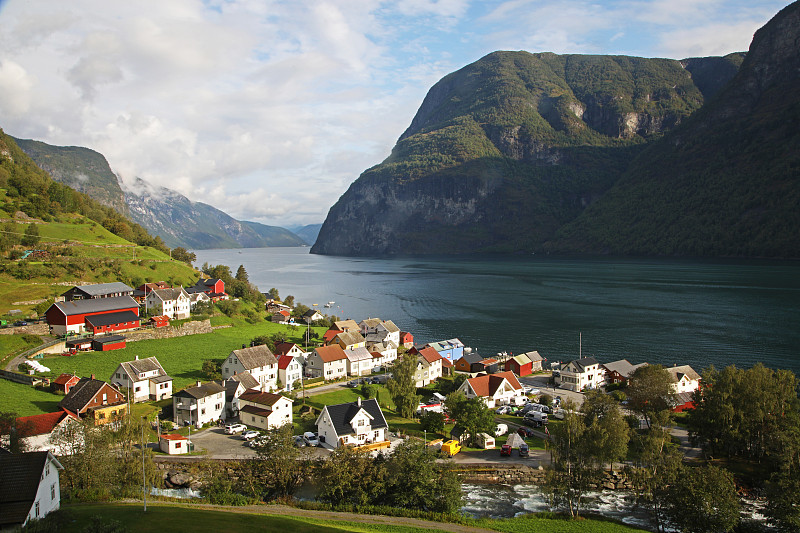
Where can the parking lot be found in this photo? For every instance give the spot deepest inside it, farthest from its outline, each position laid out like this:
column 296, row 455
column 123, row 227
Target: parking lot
column 222, row 446
column 540, row 381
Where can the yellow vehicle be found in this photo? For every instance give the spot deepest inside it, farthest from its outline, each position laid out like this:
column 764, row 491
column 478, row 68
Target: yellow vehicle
column 451, row 447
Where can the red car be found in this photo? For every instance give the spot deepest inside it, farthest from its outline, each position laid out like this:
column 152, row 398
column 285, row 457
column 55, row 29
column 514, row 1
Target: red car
column 505, row 449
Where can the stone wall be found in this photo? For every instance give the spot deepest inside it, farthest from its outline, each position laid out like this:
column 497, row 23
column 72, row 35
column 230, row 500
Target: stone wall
column 194, row 327
column 520, row 474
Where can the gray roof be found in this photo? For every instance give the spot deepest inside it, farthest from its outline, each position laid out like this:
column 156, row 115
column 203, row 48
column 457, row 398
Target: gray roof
column 679, row 371
column 534, row 356
column 358, row 354
column 581, row 364
column 391, row 327
column 96, row 305
column 201, row 391
column 343, row 413
column 20, row 476
column 139, row 366
column 82, row 393
column 622, row 367
column 246, row 379
column 256, row 356
column 99, row 289
column 351, row 337
column 107, row 319
column 169, row 294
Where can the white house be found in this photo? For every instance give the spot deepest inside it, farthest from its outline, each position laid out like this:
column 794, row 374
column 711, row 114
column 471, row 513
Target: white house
column 37, row 431
column 290, row 370
column 329, row 362
column 501, row 388
column 145, row 378
column 196, row 298
column 376, row 330
column 686, row 379
column 198, row 405
column 354, row 423
column 582, row 374
column 174, row 303
column 264, row 410
column 258, row 360
column 29, row 487
column 173, row 444
column 359, row 362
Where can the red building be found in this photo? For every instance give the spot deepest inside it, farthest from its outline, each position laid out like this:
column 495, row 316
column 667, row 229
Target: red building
column 64, row 383
column 109, row 322
column 66, row 317
column 214, row 288
column 160, row 321
column 406, row 339
column 111, row 342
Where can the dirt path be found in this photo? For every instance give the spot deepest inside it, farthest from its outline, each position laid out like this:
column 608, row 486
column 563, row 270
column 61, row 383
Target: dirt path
column 285, row 510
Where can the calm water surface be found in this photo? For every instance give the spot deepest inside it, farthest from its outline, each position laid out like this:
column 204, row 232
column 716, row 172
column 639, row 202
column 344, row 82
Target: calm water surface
column 659, row 311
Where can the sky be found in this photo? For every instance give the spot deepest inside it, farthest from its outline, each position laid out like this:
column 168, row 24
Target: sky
column 268, row 110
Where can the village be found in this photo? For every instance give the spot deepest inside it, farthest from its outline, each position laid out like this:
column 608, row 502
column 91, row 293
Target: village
column 261, row 388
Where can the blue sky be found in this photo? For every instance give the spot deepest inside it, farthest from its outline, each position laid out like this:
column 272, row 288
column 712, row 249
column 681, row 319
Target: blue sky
column 268, row 110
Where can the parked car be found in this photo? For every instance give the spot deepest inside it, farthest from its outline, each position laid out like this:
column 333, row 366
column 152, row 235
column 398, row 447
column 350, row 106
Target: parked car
column 505, row 450
column 311, row 439
column 232, row 429
column 538, row 416
column 500, row 429
column 523, row 450
column 503, row 410
column 299, row 441
column 353, row 383
column 451, row 447
column 526, row 432
column 250, row 434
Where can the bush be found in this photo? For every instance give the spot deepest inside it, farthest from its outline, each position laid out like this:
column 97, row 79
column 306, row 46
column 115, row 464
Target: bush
column 619, row 395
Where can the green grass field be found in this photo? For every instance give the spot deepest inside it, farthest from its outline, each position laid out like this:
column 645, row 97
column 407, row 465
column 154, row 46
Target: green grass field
column 26, row 400
column 74, row 518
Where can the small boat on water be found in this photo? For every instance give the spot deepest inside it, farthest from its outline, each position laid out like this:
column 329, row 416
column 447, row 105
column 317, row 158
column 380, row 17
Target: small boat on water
column 329, row 304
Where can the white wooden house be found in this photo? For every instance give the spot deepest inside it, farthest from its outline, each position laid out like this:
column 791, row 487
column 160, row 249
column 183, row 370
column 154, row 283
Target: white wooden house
column 29, row 488
column 264, row 410
column 258, row 360
column 582, row 374
column 174, row 303
column 355, row 423
column 144, row 378
column 501, row 388
column 198, row 405
column 329, row 362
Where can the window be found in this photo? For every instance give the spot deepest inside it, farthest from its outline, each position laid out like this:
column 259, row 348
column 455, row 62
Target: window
column 37, row 509
column 47, row 469
column 105, row 397
column 53, row 491
column 177, row 445
column 202, row 411
column 361, row 422
column 101, row 416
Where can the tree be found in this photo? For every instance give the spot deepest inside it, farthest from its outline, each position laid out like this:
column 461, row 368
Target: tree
column 280, row 465
column 471, row 414
column 241, row 275
column 351, row 477
column 432, row 422
column 703, row 499
column 402, row 386
column 273, row 293
column 31, row 237
column 650, row 394
column 212, row 369
column 606, row 427
column 289, row 300
column 180, row 254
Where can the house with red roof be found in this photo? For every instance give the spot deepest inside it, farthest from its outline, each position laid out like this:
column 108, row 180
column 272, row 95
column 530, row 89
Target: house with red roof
column 173, row 444
column 429, row 366
column 37, row 431
column 329, row 362
column 64, row 383
column 214, row 288
column 501, row 388
column 281, row 317
column 288, row 348
column 264, row 410
column 290, row 370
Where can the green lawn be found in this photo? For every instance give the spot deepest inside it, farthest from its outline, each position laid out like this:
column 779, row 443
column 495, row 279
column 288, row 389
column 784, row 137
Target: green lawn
column 76, row 517
column 26, row 400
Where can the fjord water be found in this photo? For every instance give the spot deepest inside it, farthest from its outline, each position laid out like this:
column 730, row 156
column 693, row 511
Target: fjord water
column 644, row 310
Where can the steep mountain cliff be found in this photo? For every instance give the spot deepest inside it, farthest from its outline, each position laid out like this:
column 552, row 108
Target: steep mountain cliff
column 181, row 222
column 725, row 183
column 504, row 152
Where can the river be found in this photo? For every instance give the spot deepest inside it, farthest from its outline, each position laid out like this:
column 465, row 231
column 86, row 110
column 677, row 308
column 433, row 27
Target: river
column 665, row 311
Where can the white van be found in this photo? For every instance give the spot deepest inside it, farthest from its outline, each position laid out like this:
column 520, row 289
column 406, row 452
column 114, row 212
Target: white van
column 501, row 429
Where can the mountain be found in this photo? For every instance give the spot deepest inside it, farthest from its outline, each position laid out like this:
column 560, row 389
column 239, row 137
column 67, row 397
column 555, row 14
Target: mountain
column 80, row 168
column 506, row 151
column 308, row 233
column 163, row 212
column 195, row 225
column 726, row 182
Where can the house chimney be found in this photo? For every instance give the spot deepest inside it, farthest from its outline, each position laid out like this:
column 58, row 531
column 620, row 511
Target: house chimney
column 92, row 376
column 359, row 401
column 199, row 383
column 136, row 358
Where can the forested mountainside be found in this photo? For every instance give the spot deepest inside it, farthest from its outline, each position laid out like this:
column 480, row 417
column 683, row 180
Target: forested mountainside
column 163, row 212
column 507, row 154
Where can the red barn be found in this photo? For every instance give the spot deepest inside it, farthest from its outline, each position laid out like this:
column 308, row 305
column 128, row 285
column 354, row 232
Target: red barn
column 108, row 322
column 64, row 383
column 111, row 342
column 215, row 288
column 406, row 339
column 64, row 317
column 160, row 321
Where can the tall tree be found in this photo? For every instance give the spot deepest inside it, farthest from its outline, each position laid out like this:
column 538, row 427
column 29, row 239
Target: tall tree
column 471, row 414
column 241, row 274
column 650, row 394
column 351, row 477
column 703, row 500
column 415, row 480
column 280, row 465
column 402, row 386
column 606, row 427
column 273, row 293
column 180, row 254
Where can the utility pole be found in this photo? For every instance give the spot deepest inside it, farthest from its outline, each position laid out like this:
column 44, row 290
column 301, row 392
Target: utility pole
column 144, row 478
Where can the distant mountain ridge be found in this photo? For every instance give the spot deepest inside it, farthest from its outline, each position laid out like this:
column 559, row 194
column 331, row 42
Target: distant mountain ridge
column 163, row 212
column 507, row 150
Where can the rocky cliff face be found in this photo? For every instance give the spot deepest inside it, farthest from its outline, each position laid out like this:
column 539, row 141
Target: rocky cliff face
column 508, row 149
column 726, row 182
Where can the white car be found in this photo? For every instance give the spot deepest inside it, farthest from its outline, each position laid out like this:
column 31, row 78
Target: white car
column 248, row 435
column 503, row 410
column 310, row 439
column 232, row 429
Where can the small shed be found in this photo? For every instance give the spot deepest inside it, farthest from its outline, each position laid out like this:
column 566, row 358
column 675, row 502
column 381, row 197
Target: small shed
column 160, row 321
column 108, row 343
column 78, row 344
column 64, row 383
column 459, row 433
column 173, row 444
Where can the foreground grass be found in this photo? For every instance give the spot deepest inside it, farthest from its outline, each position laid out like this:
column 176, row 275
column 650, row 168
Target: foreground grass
column 26, row 400
column 196, row 519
